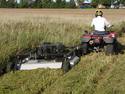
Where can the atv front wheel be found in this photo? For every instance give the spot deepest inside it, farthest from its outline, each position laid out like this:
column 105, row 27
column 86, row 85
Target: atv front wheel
column 85, row 48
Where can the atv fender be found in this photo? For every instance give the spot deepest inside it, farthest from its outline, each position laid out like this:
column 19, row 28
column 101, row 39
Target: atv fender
column 108, row 40
column 85, row 39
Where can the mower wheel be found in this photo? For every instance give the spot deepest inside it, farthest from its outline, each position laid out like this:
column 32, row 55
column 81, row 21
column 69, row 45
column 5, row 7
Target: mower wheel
column 66, row 66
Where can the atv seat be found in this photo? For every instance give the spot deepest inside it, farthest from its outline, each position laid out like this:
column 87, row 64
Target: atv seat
column 100, row 33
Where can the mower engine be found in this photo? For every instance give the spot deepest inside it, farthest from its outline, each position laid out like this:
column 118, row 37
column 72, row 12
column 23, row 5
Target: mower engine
column 51, row 51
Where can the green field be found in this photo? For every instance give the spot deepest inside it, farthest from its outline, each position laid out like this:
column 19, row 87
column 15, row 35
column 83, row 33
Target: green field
column 95, row 74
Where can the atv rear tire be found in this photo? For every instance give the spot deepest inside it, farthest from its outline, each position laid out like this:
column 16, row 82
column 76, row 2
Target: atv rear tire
column 109, row 49
column 84, row 48
column 66, row 66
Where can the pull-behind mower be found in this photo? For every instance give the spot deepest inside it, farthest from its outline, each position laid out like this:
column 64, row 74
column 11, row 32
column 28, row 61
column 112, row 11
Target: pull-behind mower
column 48, row 55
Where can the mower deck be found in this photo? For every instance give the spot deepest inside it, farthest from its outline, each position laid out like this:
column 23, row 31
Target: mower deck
column 52, row 64
column 35, row 64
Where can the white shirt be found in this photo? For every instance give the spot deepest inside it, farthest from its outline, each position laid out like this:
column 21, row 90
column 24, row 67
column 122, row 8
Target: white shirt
column 99, row 23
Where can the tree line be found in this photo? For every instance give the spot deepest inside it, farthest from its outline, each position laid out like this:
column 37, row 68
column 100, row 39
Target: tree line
column 51, row 4
column 108, row 2
column 37, row 4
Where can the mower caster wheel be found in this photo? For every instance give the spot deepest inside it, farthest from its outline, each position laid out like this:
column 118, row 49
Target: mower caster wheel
column 66, row 66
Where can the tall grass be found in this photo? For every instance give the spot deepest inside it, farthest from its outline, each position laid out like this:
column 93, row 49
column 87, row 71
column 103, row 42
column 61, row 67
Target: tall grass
column 96, row 74
column 92, row 75
column 18, row 35
column 28, row 82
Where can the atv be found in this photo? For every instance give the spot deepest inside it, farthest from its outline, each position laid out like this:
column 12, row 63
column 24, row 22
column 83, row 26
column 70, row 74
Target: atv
column 98, row 42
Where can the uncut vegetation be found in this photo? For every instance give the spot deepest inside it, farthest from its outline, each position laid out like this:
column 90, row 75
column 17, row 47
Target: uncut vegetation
column 18, row 35
column 28, row 82
column 95, row 74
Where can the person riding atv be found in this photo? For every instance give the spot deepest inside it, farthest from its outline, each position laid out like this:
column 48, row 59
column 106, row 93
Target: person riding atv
column 99, row 23
column 100, row 39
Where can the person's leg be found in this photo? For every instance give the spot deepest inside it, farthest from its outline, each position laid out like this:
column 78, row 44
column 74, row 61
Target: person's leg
column 96, row 33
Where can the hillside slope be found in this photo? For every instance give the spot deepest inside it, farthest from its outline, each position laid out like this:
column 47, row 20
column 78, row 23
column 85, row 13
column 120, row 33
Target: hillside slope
column 95, row 74
column 28, row 82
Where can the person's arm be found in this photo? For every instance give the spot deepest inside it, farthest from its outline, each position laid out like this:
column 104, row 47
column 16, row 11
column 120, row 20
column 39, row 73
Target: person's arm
column 92, row 25
column 107, row 24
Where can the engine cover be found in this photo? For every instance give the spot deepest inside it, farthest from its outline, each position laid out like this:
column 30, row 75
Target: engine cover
column 51, row 50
